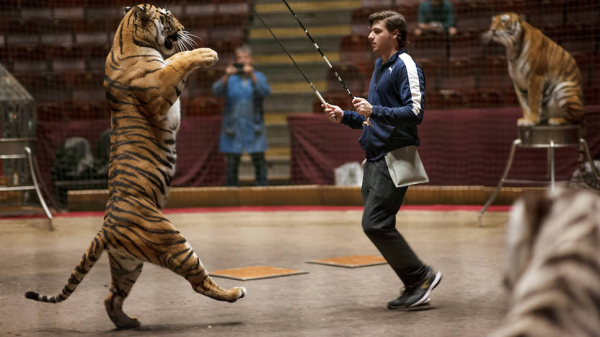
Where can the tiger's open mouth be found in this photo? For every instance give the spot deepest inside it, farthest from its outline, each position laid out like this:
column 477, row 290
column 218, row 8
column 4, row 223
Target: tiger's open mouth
column 170, row 40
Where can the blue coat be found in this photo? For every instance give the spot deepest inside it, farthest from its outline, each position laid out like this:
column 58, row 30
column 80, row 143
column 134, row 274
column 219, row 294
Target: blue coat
column 397, row 94
column 243, row 122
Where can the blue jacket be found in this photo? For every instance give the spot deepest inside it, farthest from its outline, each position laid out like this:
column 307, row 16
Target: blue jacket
column 243, row 122
column 397, row 94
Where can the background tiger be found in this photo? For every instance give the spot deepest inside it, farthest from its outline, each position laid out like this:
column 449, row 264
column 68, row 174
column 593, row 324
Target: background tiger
column 552, row 265
column 143, row 90
column 545, row 76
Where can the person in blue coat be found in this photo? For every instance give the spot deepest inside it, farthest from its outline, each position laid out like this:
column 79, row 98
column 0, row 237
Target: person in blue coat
column 389, row 120
column 437, row 16
column 243, row 127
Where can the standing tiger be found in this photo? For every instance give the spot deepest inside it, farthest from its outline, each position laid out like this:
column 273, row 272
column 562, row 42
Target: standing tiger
column 552, row 265
column 142, row 88
column 545, row 76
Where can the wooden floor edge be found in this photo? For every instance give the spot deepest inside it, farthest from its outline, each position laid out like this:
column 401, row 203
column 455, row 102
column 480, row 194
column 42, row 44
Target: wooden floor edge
column 302, row 195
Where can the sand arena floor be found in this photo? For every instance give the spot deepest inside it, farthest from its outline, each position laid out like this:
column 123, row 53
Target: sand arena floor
column 328, row 301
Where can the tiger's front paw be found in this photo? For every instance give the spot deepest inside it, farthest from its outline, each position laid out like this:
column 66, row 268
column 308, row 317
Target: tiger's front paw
column 524, row 122
column 557, row 121
column 207, row 56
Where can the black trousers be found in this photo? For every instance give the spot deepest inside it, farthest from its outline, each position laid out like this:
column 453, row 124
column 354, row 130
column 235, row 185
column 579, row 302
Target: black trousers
column 382, row 200
column 233, row 165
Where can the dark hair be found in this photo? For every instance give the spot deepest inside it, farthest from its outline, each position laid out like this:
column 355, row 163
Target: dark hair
column 392, row 22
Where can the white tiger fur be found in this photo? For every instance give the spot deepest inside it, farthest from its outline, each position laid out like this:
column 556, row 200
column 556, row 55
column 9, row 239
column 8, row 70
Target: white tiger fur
column 552, row 265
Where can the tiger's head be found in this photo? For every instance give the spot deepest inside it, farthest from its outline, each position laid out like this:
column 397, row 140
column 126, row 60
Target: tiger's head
column 157, row 28
column 505, row 29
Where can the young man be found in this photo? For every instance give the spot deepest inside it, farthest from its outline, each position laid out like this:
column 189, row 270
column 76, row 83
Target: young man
column 243, row 124
column 389, row 120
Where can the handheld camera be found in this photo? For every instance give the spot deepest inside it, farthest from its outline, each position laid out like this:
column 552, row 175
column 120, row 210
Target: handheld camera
column 240, row 68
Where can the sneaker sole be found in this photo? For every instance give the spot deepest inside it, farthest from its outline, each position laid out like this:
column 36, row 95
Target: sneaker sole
column 422, row 300
column 421, row 307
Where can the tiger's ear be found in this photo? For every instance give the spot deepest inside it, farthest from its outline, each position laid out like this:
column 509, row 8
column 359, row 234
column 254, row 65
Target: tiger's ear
column 523, row 17
column 143, row 12
column 126, row 10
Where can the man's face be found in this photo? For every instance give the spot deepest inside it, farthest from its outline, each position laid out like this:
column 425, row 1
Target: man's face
column 382, row 40
column 243, row 57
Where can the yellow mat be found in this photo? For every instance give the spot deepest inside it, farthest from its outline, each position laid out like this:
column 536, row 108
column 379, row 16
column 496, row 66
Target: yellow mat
column 255, row 273
column 351, row 261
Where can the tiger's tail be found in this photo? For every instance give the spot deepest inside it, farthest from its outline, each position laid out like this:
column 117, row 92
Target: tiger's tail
column 86, row 263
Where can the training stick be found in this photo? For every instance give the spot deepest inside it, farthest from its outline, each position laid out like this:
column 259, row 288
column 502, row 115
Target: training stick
column 319, row 49
column 290, row 56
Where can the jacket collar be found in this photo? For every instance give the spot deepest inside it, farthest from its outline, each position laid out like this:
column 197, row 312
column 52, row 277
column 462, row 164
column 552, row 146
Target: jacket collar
column 393, row 58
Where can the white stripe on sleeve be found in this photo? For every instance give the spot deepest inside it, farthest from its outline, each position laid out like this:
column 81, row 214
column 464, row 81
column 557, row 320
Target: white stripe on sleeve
column 413, row 82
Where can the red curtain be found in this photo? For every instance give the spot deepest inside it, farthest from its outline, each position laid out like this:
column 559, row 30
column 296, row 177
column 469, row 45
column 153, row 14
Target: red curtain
column 458, row 147
column 199, row 162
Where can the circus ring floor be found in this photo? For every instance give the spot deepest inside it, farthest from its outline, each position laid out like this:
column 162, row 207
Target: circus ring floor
column 328, row 301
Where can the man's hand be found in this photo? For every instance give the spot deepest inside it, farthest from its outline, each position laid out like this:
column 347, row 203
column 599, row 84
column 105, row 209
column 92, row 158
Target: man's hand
column 230, row 70
column 333, row 112
column 248, row 69
column 362, row 106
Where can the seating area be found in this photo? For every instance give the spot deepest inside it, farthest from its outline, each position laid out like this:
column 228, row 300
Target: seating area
column 57, row 49
column 61, row 57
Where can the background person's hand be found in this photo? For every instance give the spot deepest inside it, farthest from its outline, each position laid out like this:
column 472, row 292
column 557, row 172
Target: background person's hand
column 230, row 70
column 248, row 69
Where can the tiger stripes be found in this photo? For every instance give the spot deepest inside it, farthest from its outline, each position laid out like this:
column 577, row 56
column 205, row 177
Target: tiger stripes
column 552, row 265
column 545, row 77
column 145, row 73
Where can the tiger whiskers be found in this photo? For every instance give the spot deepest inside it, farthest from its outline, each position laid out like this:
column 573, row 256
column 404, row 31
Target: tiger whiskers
column 185, row 41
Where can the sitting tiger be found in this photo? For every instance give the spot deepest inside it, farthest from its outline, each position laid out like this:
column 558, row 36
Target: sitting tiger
column 552, row 265
column 142, row 88
column 545, row 76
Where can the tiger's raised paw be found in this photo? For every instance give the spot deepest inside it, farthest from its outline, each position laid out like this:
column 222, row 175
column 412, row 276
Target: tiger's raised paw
column 208, row 57
column 241, row 292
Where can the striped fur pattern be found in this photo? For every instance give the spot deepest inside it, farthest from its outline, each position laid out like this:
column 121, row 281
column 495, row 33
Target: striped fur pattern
column 552, row 265
column 546, row 78
column 146, row 71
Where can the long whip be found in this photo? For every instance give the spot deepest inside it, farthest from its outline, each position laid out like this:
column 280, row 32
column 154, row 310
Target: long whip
column 319, row 49
column 288, row 54
column 368, row 119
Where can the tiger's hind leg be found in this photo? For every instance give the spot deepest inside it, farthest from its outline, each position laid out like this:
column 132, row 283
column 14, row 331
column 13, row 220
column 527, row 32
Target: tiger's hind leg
column 182, row 260
column 125, row 271
column 570, row 108
column 156, row 240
